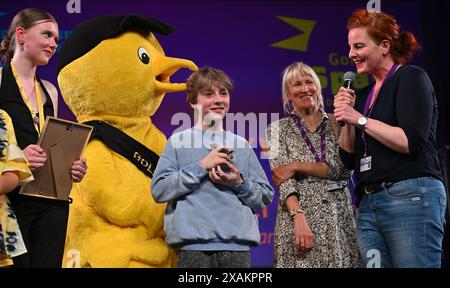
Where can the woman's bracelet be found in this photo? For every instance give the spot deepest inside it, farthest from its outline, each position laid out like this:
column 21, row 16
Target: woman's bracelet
column 295, row 211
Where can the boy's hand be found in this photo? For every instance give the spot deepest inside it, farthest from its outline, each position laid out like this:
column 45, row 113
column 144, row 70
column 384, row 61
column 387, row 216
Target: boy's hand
column 230, row 179
column 215, row 158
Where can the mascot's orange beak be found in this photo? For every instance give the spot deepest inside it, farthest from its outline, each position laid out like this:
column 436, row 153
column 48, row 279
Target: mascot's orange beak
column 166, row 68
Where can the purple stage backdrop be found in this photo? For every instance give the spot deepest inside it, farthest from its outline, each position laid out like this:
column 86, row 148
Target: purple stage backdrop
column 252, row 41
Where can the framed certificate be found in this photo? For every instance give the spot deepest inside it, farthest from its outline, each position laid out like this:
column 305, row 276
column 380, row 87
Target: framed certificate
column 63, row 142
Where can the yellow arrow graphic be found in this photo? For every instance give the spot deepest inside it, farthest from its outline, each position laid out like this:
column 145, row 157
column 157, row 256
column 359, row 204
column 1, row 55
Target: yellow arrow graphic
column 299, row 42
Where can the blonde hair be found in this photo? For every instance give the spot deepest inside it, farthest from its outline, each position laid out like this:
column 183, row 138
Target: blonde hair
column 293, row 71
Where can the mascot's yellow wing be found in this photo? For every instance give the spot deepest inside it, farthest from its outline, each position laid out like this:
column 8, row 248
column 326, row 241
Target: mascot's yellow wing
column 113, row 220
column 107, row 71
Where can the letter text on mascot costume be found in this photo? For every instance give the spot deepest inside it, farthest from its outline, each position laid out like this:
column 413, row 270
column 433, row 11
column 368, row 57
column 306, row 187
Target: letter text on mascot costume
column 113, row 74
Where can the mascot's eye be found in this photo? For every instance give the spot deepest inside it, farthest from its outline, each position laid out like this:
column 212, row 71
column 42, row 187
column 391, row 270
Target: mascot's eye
column 143, row 55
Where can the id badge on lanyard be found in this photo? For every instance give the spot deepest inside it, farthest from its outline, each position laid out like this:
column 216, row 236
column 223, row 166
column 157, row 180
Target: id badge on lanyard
column 366, row 162
column 334, row 185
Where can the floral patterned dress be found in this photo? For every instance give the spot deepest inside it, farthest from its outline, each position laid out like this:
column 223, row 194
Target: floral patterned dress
column 329, row 214
column 12, row 159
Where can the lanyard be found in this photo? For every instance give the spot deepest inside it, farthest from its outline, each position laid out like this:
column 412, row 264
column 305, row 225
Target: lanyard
column 38, row 122
column 367, row 112
column 308, row 142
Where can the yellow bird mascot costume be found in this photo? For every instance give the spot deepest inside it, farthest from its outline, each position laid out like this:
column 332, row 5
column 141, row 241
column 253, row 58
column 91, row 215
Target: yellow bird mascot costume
column 113, row 74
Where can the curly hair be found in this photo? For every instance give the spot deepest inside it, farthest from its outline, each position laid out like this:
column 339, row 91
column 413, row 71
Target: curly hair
column 382, row 26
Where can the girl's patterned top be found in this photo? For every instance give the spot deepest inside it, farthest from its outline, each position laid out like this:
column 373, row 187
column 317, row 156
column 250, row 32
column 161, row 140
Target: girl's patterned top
column 12, row 159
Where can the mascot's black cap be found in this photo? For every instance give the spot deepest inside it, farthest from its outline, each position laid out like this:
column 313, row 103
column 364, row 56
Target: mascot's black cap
column 89, row 34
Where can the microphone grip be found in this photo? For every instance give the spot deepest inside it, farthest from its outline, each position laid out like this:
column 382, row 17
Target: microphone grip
column 347, row 85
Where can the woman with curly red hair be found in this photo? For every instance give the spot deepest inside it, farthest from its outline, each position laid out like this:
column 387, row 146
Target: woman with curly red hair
column 389, row 140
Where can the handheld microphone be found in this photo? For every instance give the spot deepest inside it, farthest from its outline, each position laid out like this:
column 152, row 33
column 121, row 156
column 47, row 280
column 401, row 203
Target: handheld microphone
column 349, row 77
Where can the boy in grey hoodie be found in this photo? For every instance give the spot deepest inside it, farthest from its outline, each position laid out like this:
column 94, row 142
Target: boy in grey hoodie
column 212, row 181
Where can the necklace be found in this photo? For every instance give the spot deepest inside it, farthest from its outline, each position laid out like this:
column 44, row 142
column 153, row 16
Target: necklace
column 37, row 117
